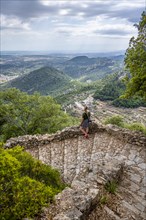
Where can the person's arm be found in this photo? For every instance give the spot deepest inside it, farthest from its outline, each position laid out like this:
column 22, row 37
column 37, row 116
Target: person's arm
column 89, row 115
column 82, row 121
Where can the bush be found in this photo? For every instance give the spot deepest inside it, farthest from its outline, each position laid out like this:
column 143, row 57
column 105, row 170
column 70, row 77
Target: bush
column 26, row 185
column 118, row 120
column 29, row 196
column 115, row 120
column 136, row 127
column 129, row 103
column 35, row 169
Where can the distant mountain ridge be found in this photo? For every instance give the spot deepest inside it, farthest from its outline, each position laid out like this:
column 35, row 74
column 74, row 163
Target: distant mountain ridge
column 82, row 59
column 52, row 75
column 91, row 68
column 44, row 80
column 91, row 54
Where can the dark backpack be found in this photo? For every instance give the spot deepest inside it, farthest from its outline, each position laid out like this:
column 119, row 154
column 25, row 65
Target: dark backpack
column 88, row 116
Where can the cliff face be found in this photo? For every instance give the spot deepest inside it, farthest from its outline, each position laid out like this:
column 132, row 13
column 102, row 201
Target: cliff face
column 87, row 164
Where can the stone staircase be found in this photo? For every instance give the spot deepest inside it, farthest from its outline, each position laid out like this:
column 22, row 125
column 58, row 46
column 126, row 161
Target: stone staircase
column 86, row 165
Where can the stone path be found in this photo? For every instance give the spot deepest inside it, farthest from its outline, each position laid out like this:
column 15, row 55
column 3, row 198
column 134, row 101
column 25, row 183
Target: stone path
column 109, row 154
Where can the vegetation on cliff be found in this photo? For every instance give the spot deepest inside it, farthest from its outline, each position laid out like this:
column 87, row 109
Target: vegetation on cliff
column 26, row 185
column 135, row 61
column 114, row 87
column 119, row 121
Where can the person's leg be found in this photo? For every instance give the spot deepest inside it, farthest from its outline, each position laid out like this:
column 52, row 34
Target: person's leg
column 84, row 132
column 87, row 130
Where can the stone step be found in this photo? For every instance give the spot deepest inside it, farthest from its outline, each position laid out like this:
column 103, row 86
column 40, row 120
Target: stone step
column 138, row 202
column 84, row 155
column 57, row 155
column 70, row 159
column 93, row 162
column 76, row 202
column 111, row 214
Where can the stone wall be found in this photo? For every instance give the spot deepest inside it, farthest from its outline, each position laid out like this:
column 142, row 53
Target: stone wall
column 87, row 164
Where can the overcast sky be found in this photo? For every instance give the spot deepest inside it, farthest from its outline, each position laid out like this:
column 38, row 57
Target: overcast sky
column 70, row 25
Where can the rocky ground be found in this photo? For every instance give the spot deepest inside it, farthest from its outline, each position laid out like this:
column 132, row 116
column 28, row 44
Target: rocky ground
column 101, row 110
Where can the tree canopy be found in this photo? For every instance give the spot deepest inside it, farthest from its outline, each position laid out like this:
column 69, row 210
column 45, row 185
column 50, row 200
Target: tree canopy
column 113, row 88
column 22, row 114
column 135, row 61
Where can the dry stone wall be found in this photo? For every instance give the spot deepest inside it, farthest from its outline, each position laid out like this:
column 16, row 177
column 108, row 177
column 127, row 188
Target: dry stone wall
column 86, row 164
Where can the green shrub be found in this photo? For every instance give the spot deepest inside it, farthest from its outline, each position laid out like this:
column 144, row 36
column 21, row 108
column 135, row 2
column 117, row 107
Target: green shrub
column 29, row 197
column 26, row 185
column 35, row 169
column 129, row 103
column 111, row 186
column 115, row 120
column 136, row 127
column 103, row 199
column 118, row 120
column 9, row 175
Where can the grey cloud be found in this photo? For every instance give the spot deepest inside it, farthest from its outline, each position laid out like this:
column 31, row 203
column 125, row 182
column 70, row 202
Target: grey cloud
column 131, row 14
column 33, row 8
column 67, row 33
column 112, row 32
column 92, row 9
column 11, row 28
column 26, row 9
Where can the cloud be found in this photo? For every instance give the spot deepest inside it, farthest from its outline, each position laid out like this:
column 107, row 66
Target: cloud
column 69, row 20
column 13, row 23
column 113, row 32
column 101, row 26
column 36, row 8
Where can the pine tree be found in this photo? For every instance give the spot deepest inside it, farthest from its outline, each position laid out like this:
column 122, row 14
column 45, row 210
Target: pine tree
column 135, row 62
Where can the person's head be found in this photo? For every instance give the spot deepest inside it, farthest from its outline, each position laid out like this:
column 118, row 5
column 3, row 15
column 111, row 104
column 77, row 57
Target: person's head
column 85, row 108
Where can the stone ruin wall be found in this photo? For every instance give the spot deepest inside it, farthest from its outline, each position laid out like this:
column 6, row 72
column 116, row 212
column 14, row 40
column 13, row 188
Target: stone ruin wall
column 86, row 164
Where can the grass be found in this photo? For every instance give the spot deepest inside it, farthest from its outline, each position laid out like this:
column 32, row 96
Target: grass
column 111, row 187
column 103, row 199
column 136, row 127
column 119, row 121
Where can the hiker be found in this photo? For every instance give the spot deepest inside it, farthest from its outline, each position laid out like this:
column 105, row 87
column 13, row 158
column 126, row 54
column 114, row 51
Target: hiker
column 84, row 126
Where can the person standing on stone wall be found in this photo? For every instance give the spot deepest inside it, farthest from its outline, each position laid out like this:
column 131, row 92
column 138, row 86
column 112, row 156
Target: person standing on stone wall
column 84, row 126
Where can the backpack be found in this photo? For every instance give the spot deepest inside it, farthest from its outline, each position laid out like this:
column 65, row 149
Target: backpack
column 88, row 116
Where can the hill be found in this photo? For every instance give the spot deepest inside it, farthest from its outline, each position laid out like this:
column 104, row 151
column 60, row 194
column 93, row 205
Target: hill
column 113, row 88
column 84, row 68
column 46, row 80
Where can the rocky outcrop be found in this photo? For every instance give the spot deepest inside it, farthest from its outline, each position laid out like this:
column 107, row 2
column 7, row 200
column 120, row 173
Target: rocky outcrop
column 87, row 164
